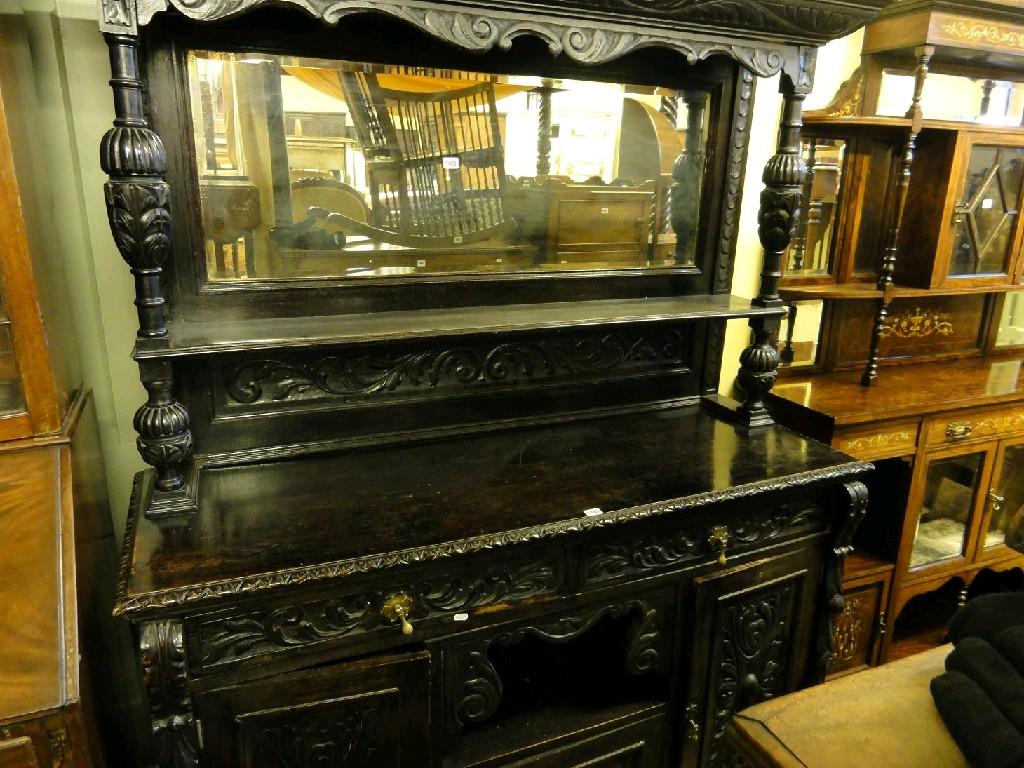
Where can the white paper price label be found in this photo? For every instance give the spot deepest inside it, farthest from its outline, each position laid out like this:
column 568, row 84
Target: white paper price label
column 451, row 163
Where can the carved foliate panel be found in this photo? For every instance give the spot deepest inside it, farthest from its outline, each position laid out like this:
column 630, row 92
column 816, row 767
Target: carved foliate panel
column 359, row 376
column 224, row 640
column 752, row 658
column 660, row 551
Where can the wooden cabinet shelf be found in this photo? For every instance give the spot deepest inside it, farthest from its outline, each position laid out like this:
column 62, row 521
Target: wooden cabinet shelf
column 189, row 338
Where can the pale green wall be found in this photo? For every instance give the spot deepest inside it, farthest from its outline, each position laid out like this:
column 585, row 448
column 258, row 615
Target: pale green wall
column 71, row 72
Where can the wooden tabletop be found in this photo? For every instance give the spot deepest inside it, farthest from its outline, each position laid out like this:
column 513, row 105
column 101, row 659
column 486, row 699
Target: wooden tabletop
column 906, row 390
column 374, row 508
column 38, row 654
column 881, row 717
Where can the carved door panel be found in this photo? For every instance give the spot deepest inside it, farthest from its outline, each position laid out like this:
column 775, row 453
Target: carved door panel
column 368, row 714
column 751, row 625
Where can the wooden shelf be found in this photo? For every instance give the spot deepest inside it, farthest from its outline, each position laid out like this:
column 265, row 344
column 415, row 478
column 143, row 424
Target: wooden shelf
column 201, row 338
column 864, row 291
column 860, row 564
column 821, row 118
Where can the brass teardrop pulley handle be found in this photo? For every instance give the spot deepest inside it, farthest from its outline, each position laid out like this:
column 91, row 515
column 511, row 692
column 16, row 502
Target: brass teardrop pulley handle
column 396, row 609
column 718, row 540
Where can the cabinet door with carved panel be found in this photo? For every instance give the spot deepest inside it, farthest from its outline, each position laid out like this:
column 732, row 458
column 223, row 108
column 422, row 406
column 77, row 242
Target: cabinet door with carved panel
column 368, row 714
column 752, row 626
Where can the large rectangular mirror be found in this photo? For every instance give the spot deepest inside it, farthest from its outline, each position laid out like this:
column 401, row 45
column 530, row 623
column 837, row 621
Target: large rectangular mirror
column 325, row 168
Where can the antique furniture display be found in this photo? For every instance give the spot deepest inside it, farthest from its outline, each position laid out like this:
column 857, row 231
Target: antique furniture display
column 454, row 488
column 845, row 723
column 56, row 572
column 902, row 343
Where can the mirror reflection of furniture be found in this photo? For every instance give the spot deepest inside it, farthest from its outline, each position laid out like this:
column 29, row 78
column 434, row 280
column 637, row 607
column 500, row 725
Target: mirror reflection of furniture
column 590, row 223
column 331, row 195
column 231, row 214
column 434, row 161
column 649, row 148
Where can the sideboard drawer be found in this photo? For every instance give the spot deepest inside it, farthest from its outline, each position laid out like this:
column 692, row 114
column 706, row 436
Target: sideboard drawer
column 970, row 425
column 390, row 613
column 878, row 441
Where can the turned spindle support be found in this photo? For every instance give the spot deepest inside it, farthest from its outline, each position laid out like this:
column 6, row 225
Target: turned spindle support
column 886, row 281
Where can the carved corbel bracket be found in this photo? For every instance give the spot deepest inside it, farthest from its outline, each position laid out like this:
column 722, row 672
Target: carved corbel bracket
column 856, row 501
column 165, row 673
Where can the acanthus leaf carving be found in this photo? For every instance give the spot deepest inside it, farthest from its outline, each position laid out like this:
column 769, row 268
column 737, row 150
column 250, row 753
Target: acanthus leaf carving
column 752, row 664
column 165, row 673
column 224, row 640
column 140, row 221
column 352, row 376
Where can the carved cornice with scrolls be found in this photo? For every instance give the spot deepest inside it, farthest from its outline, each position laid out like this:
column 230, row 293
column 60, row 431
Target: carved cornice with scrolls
column 128, row 604
column 591, row 42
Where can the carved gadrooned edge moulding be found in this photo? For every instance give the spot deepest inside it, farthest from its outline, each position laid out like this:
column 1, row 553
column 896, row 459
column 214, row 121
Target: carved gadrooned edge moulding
column 142, row 602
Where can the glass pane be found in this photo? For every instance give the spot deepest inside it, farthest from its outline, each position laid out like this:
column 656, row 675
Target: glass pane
column 318, row 167
column 811, row 250
column 1006, row 501
column 950, row 487
column 872, row 234
column 800, row 334
column 1011, row 323
column 987, row 212
column 12, row 399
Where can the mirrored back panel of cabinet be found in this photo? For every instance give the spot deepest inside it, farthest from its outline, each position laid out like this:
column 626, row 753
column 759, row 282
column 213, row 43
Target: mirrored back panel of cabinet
column 317, row 172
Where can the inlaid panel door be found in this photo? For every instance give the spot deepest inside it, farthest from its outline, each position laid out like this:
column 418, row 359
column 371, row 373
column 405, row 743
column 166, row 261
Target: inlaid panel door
column 752, row 624
column 367, row 714
column 1003, row 502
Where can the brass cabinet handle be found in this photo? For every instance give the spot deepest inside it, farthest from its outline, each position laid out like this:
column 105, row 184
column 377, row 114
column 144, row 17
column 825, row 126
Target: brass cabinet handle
column 958, row 430
column 396, row 610
column 692, row 716
column 995, row 501
column 718, row 539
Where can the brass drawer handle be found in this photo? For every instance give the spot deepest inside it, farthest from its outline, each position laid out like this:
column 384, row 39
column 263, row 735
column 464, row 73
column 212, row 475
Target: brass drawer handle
column 718, row 539
column 958, row 430
column 996, row 501
column 396, row 609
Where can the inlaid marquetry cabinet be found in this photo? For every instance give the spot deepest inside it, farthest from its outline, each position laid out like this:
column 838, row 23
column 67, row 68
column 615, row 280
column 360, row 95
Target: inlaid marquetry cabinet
column 432, row 299
column 903, row 339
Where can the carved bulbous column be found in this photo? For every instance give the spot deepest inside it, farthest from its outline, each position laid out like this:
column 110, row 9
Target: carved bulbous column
column 778, row 218
column 138, row 207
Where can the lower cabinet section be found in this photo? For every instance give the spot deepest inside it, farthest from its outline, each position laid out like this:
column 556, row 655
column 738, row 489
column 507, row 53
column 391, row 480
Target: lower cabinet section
column 640, row 670
column 366, row 714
